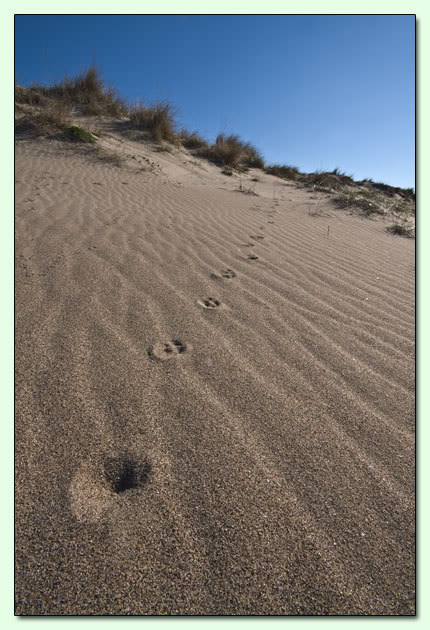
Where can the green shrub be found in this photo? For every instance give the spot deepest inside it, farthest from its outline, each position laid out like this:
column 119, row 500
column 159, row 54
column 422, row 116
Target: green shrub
column 77, row 134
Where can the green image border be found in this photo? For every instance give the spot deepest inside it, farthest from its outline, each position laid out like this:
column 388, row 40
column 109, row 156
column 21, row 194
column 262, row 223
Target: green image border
column 7, row 12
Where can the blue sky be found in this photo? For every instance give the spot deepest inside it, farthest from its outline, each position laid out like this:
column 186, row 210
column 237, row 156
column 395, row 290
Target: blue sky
column 317, row 92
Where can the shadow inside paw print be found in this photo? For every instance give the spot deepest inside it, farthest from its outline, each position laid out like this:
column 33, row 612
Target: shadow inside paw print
column 209, row 302
column 125, row 473
column 228, row 273
column 167, row 350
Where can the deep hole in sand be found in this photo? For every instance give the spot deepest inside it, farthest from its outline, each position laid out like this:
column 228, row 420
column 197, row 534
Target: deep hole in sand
column 125, row 473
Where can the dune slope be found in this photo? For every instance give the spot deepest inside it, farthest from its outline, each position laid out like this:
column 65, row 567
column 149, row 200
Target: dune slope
column 214, row 393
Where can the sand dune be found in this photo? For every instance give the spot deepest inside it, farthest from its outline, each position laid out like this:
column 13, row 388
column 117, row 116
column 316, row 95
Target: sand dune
column 214, row 393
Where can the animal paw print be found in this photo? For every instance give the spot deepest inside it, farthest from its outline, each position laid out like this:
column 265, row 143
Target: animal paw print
column 210, row 302
column 168, row 350
column 228, row 273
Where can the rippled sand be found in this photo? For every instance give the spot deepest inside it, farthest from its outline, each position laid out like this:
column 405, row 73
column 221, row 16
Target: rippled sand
column 199, row 432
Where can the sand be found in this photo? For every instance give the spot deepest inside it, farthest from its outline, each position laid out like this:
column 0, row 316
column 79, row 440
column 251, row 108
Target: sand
column 198, row 432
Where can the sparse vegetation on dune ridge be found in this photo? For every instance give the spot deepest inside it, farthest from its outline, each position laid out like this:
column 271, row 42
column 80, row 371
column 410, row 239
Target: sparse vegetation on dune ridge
column 231, row 151
column 192, row 140
column 283, row 171
column 369, row 198
column 158, row 121
column 85, row 92
column 49, row 111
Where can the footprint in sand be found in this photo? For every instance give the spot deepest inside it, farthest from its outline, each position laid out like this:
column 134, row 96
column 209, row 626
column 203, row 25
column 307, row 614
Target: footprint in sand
column 252, row 257
column 169, row 350
column 125, row 473
column 209, row 302
column 98, row 480
column 225, row 273
column 256, row 236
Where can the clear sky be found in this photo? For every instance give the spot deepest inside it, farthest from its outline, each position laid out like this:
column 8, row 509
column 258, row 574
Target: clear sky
column 317, row 92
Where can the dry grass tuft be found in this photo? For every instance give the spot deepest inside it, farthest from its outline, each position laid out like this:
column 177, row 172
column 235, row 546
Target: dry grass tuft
column 331, row 181
column 283, row 171
column 86, row 93
column 401, row 227
column 192, row 140
column 158, row 121
column 232, row 152
column 247, row 190
column 51, row 119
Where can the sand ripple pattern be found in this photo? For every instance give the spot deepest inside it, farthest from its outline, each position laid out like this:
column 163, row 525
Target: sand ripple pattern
column 192, row 447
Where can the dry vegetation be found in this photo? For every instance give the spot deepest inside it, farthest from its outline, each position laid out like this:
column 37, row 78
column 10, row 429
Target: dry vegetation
column 86, row 92
column 247, row 190
column 283, row 171
column 366, row 197
column 371, row 201
column 49, row 111
column 158, row 121
column 402, row 227
column 231, row 151
column 192, row 140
